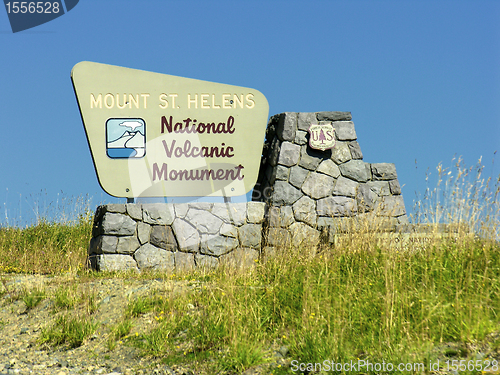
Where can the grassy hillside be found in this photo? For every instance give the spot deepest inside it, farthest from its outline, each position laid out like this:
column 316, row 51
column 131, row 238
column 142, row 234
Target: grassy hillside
column 365, row 299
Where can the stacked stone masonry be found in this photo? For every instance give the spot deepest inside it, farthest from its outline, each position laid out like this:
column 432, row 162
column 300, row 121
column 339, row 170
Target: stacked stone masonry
column 310, row 192
column 301, row 195
column 175, row 237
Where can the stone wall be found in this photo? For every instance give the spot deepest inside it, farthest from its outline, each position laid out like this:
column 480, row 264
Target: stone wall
column 308, row 190
column 301, row 194
column 175, row 237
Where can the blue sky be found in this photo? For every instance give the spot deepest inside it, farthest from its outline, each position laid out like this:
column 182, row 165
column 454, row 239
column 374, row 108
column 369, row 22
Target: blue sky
column 421, row 79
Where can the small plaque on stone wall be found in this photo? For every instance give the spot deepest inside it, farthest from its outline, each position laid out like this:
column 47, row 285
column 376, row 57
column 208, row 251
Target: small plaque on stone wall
column 322, row 135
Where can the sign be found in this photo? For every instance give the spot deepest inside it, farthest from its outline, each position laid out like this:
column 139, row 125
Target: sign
column 321, row 136
column 157, row 135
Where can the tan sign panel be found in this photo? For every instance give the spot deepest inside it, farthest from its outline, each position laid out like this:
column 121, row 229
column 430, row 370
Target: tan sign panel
column 156, row 135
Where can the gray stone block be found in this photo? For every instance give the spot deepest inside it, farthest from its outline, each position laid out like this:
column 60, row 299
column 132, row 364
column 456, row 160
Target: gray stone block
column 380, row 188
column 344, row 131
column 285, row 194
column 333, row 116
column 289, row 154
column 184, row 262
column 93, row 248
column 134, row 211
column 234, row 213
column 229, row 230
column 255, row 212
column 310, row 158
column 305, row 119
column 329, row 167
column 300, row 137
column 282, row 173
column 206, row 262
column 118, row 224
column 187, row 236
column 304, row 235
column 99, row 213
column 127, row 245
column 163, row 237
column 112, row 262
column 336, row 206
column 365, row 198
column 403, row 220
column 278, row 237
column 355, row 150
column 341, row 153
column 305, row 210
column 207, row 206
column 143, row 232
column 392, row 205
column 250, row 235
column 116, row 208
column 318, row 185
column 384, row 171
column 346, row 187
column 281, row 216
column 274, row 152
column 158, row 214
column 181, row 210
column 298, row 176
column 325, row 222
column 217, row 245
column 356, row 170
column 103, row 244
column 203, row 221
column 394, row 187
column 287, row 126
column 149, row 257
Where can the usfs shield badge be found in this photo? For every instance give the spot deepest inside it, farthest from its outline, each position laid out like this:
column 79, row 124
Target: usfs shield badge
column 322, row 135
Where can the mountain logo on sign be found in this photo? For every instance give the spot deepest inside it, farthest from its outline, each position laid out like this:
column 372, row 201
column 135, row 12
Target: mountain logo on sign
column 125, row 138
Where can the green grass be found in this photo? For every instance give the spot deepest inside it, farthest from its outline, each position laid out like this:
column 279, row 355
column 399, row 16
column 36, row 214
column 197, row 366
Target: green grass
column 119, row 331
column 341, row 305
column 141, row 305
column 68, row 297
column 45, row 248
column 68, row 330
column 33, row 297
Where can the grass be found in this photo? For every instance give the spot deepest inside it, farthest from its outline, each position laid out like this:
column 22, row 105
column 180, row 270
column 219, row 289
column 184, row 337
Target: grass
column 68, row 330
column 68, row 297
column 340, row 305
column 140, row 306
column 32, row 298
column 45, row 248
column 118, row 332
column 361, row 299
